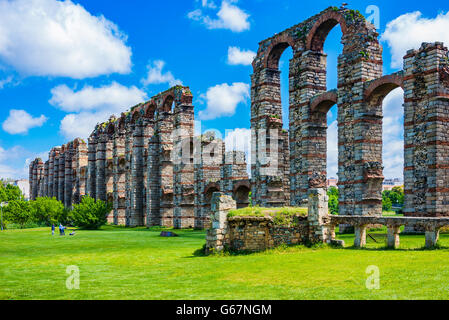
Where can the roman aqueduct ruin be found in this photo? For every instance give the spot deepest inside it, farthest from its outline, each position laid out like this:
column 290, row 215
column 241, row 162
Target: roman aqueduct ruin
column 128, row 162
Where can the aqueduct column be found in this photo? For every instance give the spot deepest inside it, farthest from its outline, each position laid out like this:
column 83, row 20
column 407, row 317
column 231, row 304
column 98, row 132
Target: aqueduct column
column 100, row 165
column 137, row 185
column 68, row 176
column 183, row 172
column 92, row 170
column 56, row 173
column 267, row 138
column 426, row 86
column 119, row 173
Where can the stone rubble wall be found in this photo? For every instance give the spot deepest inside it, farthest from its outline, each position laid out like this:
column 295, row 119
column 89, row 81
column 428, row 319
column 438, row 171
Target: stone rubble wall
column 359, row 96
column 260, row 233
column 143, row 164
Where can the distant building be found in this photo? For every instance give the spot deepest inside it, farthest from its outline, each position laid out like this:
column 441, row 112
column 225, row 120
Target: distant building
column 332, row 182
column 24, row 186
column 391, row 183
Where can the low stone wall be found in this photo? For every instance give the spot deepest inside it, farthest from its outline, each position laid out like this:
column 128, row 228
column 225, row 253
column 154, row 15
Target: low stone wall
column 431, row 226
column 260, row 233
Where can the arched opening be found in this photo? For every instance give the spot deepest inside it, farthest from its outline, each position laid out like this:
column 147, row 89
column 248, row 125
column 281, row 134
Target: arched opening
column 208, row 193
column 169, row 104
column 386, row 99
column 241, row 196
column 284, row 68
column 150, row 111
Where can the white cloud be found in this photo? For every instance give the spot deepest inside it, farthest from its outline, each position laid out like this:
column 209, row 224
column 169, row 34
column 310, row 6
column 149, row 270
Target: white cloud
column 81, row 125
column 240, row 140
column 410, row 30
column 15, row 161
column 208, row 4
column 6, row 81
column 92, row 105
column 20, row 121
column 60, row 38
column 155, row 75
column 393, row 134
column 228, row 17
column 114, row 95
column 222, row 100
column 237, row 56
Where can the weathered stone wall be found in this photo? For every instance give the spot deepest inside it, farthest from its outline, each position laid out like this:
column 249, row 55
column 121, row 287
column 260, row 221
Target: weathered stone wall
column 142, row 163
column 359, row 96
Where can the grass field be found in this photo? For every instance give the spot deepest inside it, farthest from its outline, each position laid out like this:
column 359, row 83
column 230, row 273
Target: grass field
column 119, row 263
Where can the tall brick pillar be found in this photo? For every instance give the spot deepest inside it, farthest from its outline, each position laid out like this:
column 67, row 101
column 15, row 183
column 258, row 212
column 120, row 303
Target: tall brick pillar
column 56, row 173
column 128, row 174
column 46, row 169
column 100, row 166
column 68, row 176
column 426, row 173
column 137, row 185
column 119, row 174
column 308, row 129
column 183, row 172
column 61, row 176
column 160, row 175
column 51, row 168
column 91, row 169
column 268, row 163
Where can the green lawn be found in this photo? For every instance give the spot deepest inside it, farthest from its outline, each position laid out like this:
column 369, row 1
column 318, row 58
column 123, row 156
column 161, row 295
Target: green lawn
column 119, row 263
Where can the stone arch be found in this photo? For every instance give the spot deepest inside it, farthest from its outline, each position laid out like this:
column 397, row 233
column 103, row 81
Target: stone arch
column 378, row 89
column 324, row 102
column 167, row 104
column 212, row 186
column 320, row 30
column 241, row 192
column 135, row 116
column 150, row 110
column 110, row 128
column 276, row 49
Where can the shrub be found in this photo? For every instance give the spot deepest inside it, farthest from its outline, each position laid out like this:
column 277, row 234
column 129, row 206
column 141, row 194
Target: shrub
column 90, row 214
column 9, row 192
column 333, row 200
column 48, row 211
column 20, row 212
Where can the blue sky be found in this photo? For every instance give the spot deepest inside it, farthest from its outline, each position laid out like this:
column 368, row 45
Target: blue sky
column 66, row 65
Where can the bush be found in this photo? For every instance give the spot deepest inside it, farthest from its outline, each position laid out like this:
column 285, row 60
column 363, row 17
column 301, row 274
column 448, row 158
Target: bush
column 90, row 214
column 9, row 192
column 19, row 212
column 49, row 211
column 333, row 200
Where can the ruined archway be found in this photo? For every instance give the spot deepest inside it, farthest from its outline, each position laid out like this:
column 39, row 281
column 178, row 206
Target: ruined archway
column 307, row 127
column 241, row 194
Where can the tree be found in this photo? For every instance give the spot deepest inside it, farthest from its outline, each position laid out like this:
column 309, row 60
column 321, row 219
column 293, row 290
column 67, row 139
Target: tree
column 393, row 197
column 386, row 204
column 20, row 212
column 48, row 210
column 333, row 195
column 90, row 214
column 9, row 192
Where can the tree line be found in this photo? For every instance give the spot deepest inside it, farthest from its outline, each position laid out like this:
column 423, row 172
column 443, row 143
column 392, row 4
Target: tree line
column 89, row 214
column 390, row 198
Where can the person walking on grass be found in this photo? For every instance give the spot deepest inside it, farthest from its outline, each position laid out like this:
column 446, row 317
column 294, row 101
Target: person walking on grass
column 53, row 229
column 61, row 230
